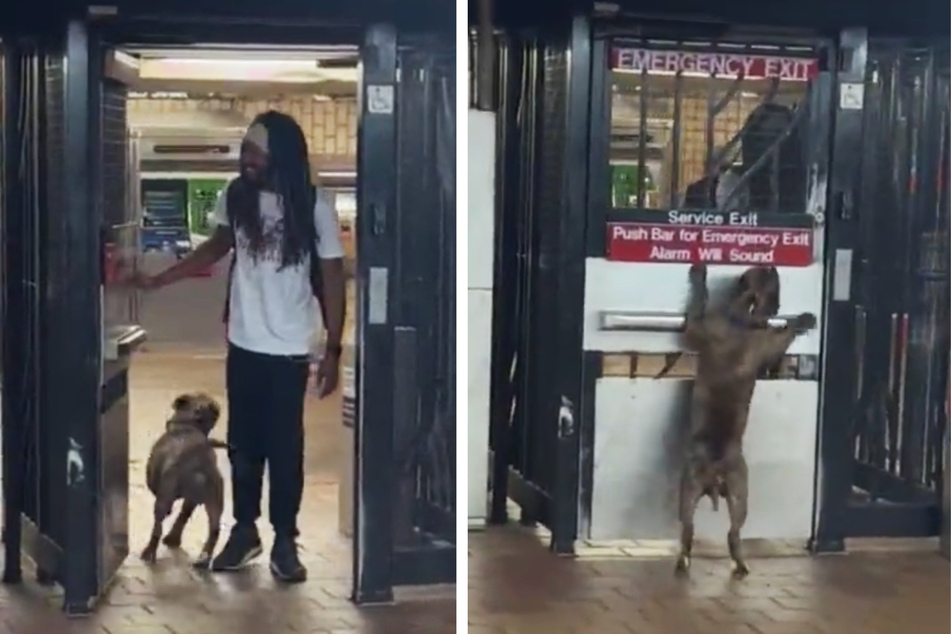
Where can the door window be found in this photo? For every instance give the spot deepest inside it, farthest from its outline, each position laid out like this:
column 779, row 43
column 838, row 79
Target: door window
column 714, row 128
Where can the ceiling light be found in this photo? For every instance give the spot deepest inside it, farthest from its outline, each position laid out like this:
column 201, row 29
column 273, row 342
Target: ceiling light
column 337, row 174
column 248, row 53
column 237, row 70
column 198, row 61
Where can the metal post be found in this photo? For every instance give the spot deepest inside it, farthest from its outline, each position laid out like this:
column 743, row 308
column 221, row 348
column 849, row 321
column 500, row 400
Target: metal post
column 14, row 344
column 508, row 179
column 945, row 485
column 76, row 371
column 571, row 284
column 838, row 383
column 376, row 192
column 485, row 80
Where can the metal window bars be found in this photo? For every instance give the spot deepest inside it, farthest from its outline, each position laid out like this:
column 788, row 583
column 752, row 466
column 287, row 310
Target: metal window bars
column 678, row 118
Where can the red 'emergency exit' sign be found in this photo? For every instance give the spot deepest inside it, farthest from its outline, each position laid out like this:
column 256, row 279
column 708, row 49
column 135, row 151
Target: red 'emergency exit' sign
column 727, row 65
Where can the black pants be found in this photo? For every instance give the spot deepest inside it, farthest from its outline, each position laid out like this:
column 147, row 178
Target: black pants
column 266, row 425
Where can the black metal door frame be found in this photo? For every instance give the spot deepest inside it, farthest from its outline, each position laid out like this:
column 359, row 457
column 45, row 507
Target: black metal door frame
column 887, row 376
column 838, row 380
column 76, row 456
column 425, row 341
column 507, row 323
column 571, row 288
column 22, row 101
column 513, row 296
column 405, row 376
column 541, row 216
column 61, row 261
column 373, row 576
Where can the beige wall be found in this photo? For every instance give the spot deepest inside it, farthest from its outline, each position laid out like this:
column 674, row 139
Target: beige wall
column 330, row 126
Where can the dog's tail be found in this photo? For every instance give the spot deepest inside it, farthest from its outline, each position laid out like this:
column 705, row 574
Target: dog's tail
column 218, row 444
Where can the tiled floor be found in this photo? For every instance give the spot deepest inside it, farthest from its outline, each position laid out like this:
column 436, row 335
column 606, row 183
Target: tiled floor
column 171, row 599
column 517, row 587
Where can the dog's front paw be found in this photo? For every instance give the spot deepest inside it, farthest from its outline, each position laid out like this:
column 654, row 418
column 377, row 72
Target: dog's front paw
column 698, row 274
column 740, row 570
column 148, row 555
column 804, row 321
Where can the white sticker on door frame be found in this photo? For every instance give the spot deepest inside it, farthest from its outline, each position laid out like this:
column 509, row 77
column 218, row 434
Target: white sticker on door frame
column 379, row 99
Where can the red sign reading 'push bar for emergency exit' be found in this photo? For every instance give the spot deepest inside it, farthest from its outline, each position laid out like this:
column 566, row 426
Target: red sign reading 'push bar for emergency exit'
column 742, row 238
column 720, row 64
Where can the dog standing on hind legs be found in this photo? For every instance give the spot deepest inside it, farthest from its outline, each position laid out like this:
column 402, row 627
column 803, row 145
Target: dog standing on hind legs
column 183, row 466
column 733, row 344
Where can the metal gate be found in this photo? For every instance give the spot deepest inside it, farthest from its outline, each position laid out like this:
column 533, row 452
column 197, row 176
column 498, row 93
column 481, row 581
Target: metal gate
column 61, row 487
column 896, row 447
column 540, row 229
column 881, row 472
column 406, row 436
column 26, row 499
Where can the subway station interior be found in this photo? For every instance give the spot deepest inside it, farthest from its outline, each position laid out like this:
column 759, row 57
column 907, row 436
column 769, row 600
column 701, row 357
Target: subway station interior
column 121, row 126
column 624, row 142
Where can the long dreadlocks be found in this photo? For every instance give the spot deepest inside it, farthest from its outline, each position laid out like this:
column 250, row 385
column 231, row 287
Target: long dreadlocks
column 288, row 176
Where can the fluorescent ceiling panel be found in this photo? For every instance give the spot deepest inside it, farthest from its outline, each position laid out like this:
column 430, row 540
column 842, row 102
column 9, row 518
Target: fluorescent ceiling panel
column 262, row 70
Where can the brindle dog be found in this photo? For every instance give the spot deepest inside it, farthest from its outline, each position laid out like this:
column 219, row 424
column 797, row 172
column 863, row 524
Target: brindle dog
column 183, row 466
column 733, row 344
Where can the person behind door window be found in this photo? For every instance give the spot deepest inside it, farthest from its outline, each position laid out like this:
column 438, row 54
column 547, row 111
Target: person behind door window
column 278, row 224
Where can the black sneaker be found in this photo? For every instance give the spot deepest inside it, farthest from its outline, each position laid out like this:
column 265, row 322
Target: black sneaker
column 285, row 564
column 244, row 544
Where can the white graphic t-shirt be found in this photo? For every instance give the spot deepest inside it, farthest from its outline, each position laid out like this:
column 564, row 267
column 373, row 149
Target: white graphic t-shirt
column 274, row 311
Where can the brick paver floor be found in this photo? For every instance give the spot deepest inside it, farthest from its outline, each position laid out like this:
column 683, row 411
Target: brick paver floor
column 517, row 587
column 172, row 599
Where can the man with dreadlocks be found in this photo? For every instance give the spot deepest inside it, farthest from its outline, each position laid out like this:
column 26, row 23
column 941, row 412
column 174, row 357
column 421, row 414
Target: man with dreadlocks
column 287, row 251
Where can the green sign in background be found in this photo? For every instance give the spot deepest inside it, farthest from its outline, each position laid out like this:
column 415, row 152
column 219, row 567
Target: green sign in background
column 202, row 194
